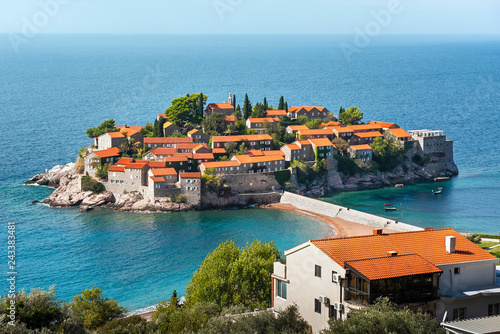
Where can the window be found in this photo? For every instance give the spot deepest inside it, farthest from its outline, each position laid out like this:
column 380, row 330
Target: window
column 334, row 280
column 457, row 271
column 317, row 306
column 281, row 289
column 317, row 271
column 332, row 312
column 459, row 313
column 494, row 309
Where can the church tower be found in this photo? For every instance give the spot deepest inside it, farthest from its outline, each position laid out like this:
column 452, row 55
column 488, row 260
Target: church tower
column 230, row 100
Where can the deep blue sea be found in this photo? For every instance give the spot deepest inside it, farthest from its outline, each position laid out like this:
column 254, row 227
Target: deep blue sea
column 55, row 87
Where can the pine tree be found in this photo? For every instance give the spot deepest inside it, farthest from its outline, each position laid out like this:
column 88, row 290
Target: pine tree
column 247, row 107
column 265, row 104
column 281, row 105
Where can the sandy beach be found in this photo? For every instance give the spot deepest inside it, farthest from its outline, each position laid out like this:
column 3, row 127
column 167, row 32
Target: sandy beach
column 343, row 228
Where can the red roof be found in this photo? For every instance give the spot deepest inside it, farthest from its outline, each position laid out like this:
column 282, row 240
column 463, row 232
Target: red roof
column 225, row 139
column 163, row 171
column 133, row 165
column 162, row 116
column 321, row 142
column 157, row 179
column 264, row 119
column 362, row 127
column 383, row 124
column 361, row 147
column 273, row 113
column 115, row 134
column 163, row 151
column 190, row 175
column 315, row 132
column 156, row 164
column 298, row 127
column 216, row 164
column 330, row 124
column 176, row 158
column 116, row 169
column 400, row 133
column 219, row 150
column 306, row 108
column 248, row 159
column 167, row 140
column 230, row 118
column 110, row 152
column 343, row 129
column 129, row 130
column 293, row 147
column 188, row 146
column 124, row 161
column 368, row 134
column 203, row 156
column 221, row 106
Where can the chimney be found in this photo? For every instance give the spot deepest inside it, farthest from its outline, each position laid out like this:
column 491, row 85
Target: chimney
column 377, row 231
column 392, row 253
column 451, row 241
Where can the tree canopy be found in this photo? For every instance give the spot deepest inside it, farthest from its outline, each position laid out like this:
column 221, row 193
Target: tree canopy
column 105, row 127
column 385, row 153
column 231, row 275
column 215, row 124
column 187, row 109
column 247, row 107
column 350, row 117
column 384, row 317
column 259, row 110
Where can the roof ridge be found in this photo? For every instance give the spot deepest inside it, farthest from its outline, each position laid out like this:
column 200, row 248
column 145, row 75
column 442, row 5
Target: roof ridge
column 386, row 234
column 386, row 257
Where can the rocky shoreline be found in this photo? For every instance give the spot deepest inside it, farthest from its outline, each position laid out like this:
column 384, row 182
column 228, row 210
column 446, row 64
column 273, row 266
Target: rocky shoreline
column 68, row 193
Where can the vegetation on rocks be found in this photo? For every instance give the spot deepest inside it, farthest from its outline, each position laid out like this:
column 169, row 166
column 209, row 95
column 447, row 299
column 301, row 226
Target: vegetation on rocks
column 90, row 184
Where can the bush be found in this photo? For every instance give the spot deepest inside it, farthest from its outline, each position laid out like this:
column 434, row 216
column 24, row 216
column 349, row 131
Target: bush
column 178, row 198
column 134, row 324
column 289, row 186
column 346, row 166
column 282, row 176
column 475, row 238
column 89, row 184
column 79, row 165
column 102, row 171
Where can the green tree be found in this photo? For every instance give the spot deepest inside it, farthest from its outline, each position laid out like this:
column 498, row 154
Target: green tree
column 104, row 127
column 102, row 171
column 385, row 317
column 265, row 103
column 385, row 153
column 215, row 124
column 94, row 311
column 352, row 116
column 259, row 110
column 341, row 145
column 314, row 123
column 281, row 104
column 285, row 120
column 241, row 127
column 247, row 107
column 186, row 109
column 90, row 184
column 475, row 238
column 147, row 130
column 302, row 119
column 234, row 101
column 286, row 106
column 158, row 127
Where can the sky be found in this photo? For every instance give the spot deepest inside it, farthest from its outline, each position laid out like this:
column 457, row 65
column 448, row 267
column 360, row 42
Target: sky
column 251, row 16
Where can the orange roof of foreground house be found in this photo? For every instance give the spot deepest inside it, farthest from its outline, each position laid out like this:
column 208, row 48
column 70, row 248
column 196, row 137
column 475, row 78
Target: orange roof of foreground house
column 304, row 142
column 221, row 106
column 219, row 150
column 368, row 134
column 256, row 153
column 156, row 164
column 188, row 146
column 116, row 169
column 383, row 124
column 167, row 140
column 178, row 157
column 188, row 155
column 306, row 108
column 190, row 175
column 363, row 127
column 321, row 142
column 203, row 156
column 248, row 159
column 343, row 129
column 217, row 164
column 135, row 165
column 400, row 133
column 298, row 127
column 230, row 118
column 124, row 161
column 157, row 179
column 393, row 266
column 315, row 132
column 225, row 139
column 162, row 116
column 361, row 147
column 273, row 113
column 110, row 152
column 429, row 244
column 163, row 171
column 293, row 147
column 116, row 134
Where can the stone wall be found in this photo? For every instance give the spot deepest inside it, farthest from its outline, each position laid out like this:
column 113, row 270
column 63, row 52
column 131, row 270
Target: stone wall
column 212, row 201
column 251, row 183
column 333, row 210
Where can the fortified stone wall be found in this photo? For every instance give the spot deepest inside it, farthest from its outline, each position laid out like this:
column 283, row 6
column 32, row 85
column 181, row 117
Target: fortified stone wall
column 333, row 210
column 212, row 201
column 250, row 183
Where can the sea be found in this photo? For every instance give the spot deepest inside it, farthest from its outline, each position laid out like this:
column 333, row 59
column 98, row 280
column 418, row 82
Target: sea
column 54, row 87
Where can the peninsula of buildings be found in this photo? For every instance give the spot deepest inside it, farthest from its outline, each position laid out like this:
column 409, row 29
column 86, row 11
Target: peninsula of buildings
column 228, row 157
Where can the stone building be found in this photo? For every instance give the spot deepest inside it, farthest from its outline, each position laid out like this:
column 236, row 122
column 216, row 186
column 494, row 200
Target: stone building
column 97, row 159
column 363, row 152
column 169, row 129
column 223, row 108
column 310, row 112
column 198, row 136
column 433, row 146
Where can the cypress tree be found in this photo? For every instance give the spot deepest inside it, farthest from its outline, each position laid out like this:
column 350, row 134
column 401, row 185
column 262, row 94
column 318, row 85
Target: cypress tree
column 234, row 101
column 200, row 108
column 281, row 105
column 265, row 104
column 286, row 106
column 160, row 127
column 247, row 107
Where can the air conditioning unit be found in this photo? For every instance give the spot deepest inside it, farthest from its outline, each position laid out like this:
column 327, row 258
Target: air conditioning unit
column 338, row 306
column 335, row 278
column 322, row 299
column 326, row 301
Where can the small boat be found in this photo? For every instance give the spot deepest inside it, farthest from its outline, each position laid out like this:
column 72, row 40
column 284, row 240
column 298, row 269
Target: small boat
column 387, row 204
column 390, row 208
column 438, row 191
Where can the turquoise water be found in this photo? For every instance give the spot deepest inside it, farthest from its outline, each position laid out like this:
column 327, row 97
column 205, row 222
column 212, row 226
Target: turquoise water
column 58, row 86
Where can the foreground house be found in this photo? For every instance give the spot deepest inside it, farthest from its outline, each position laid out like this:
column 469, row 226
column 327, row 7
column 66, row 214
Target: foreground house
column 439, row 271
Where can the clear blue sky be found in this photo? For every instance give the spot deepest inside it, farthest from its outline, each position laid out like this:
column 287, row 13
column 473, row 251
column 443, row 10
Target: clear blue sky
column 250, row 16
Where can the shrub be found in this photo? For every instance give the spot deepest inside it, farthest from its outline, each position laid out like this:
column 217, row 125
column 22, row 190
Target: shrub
column 102, row 171
column 178, row 198
column 89, row 184
column 282, row 176
column 133, row 324
column 346, row 166
column 475, row 238
column 79, row 165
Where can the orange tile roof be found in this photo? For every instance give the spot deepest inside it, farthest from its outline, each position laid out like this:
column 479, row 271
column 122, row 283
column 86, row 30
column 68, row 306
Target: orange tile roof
column 193, row 131
column 221, row 106
column 133, row 165
column 156, row 164
column 163, row 171
column 293, row 147
column 361, row 147
column 116, row 169
column 306, row 108
column 110, row 152
column 343, row 129
column 225, row 139
column 400, row 133
column 393, row 266
column 276, row 113
column 230, row 118
column 248, row 159
column 116, row 134
column 198, row 147
column 264, row 119
column 217, row 164
column 167, row 140
column 162, row 116
column 330, row 124
column 188, row 155
column 219, row 150
column 203, row 156
column 176, row 158
column 131, row 129
column 383, row 124
column 190, row 175
column 429, row 244
column 124, row 161
column 168, row 124
column 163, row 151
column 304, row 142
column 298, row 127
column 368, row 134
column 315, row 132
column 319, row 142
column 187, row 146
column 157, row 179
column 361, row 127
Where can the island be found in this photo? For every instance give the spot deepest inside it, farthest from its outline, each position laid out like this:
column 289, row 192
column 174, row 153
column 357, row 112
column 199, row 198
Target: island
column 199, row 156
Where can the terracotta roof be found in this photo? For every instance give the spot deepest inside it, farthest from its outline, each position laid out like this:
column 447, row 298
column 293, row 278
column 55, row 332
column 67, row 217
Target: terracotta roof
column 167, row 140
column 321, row 142
column 168, row 124
column 157, row 179
column 193, row 131
column 393, row 266
column 219, row 150
column 203, row 156
column 368, row 134
column 221, row 106
column 315, row 132
column 400, row 133
column 224, row 139
column 383, row 124
column 190, row 175
column 304, row 142
column 176, row 158
column 298, row 127
column 429, row 244
column 248, row 159
column 187, row 146
column 129, row 130
column 271, row 113
column 361, row 147
column 134, row 165
column 216, row 164
column 110, row 152
column 156, row 164
column 124, row 161
column 116, row 134
column 230, row 118
column 361, row 127
column 163, row 151
column 293, row 147
column 188, row 155
column 163, row 171
column 256, row 153
column 343, row 129
column 116, row 169
column 198, row 147
column 162, row 116
column 306, row 108
column 330, row 124
column 264, row 119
